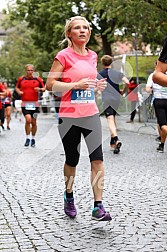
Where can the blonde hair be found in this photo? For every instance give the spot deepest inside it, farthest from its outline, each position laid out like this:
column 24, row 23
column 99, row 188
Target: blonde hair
column 68, row 27
column 29, row 65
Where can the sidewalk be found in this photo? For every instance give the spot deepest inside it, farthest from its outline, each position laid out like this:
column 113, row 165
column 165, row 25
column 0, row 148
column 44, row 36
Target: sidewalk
column 136, row 126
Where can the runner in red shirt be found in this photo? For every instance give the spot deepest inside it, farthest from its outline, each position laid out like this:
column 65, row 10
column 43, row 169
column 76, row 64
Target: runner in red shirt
column 7, row 104
column 28, row 87
column 2, row 96
column 133, row 98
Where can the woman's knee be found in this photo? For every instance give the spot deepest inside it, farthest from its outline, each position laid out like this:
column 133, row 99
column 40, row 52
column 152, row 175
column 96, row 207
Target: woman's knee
column 97, row 165
column 164, row 128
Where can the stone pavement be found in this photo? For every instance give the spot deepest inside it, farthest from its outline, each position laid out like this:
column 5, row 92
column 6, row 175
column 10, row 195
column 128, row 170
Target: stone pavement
column 32, row 186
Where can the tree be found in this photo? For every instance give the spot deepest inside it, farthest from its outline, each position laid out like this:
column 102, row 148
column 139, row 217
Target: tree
column 19, row 50
column 39, row 27
column 46, row 19
column 146, row 18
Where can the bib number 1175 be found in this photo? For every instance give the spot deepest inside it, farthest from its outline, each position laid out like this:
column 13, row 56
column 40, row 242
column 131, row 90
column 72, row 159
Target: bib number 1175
column 82, row 96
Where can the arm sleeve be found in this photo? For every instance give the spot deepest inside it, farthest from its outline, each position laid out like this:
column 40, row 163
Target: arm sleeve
column 18, row 82
column 132, row 86
column 2, row 88
column 41, row 82
column 60, row 58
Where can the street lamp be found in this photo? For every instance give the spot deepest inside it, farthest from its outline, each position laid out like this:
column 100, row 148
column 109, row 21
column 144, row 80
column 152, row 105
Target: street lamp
column 137, row 67
column 136, row 56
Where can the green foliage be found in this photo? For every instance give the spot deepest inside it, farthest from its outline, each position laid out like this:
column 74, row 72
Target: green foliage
column 46, row 19
column 146, row 64
column 19, row 50
column 146, row 18
column 39, row 27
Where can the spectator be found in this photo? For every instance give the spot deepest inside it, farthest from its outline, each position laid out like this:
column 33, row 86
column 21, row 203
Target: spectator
column 45, row 101
column 15, row 97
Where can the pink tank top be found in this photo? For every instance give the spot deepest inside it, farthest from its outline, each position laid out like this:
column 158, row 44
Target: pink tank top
column 77, row 103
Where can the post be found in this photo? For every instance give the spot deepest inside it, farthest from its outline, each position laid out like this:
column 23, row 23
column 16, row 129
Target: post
column 137, row 67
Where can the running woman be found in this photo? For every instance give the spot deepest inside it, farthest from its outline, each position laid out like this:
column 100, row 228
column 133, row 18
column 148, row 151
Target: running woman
column 74, row 74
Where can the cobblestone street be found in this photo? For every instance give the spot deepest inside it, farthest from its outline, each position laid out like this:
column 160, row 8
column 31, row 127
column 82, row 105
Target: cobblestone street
column 32, row 187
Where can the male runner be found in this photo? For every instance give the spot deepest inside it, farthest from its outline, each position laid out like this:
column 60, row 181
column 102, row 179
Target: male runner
column 28, row 87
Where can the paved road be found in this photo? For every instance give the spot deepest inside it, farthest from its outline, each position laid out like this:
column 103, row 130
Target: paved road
column 31, row 194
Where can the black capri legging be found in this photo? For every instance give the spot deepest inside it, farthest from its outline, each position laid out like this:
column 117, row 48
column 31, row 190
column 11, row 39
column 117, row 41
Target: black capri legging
column 160, row 106
column 71, row 129
column 2, row 114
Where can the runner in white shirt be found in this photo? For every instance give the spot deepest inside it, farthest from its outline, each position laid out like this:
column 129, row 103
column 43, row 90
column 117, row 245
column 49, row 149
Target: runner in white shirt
column 160, row 106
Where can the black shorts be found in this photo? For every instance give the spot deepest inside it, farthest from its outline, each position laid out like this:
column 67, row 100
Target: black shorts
column 71, row 129
column 110, row 107
column 33, row 113
column 160, row 106
column 109, row 111
column 7, row 105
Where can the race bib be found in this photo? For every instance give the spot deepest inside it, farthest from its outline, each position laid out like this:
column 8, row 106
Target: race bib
column 83, row 96
column 30, row 106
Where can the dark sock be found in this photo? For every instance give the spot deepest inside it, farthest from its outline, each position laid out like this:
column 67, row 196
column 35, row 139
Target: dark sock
column 112, row 141
column 162, row 144
column 96, row 203
column 115, row 138
column 69, row 195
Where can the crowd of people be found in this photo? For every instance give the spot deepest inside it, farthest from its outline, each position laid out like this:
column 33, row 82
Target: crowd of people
column 74, row 75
